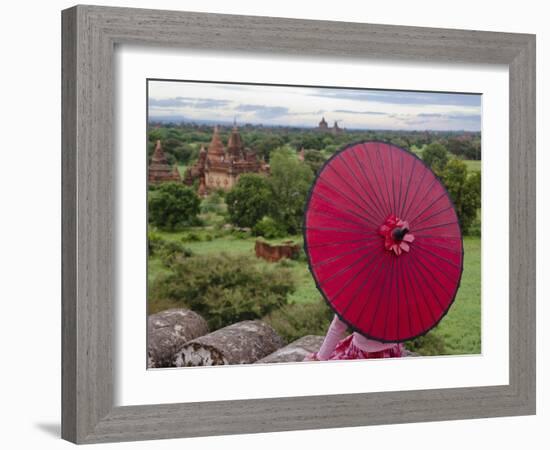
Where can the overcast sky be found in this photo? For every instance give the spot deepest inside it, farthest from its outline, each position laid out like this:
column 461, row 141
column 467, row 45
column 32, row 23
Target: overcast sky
column 304, row 106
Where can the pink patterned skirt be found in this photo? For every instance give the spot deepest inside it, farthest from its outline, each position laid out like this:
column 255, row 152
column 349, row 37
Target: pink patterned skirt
column 346, row 349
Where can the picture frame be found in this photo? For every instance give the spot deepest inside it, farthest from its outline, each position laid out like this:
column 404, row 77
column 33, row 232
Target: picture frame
column 89, row 37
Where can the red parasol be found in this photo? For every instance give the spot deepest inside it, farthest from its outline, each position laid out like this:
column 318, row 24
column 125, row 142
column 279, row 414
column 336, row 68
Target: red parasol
column 383, row 241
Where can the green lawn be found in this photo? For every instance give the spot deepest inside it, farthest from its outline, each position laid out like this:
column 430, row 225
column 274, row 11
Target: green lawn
column 473, row 164
column 459, row 331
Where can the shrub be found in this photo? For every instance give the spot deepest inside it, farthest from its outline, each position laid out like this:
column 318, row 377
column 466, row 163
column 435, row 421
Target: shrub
column 286, row 263
column 220, row 193
column 214, row 203
column 269, row 228
column 300, row 256
column 428, row 345
column 239, row 233
column 296, row 320
column 475, row 227
column 224, row 289
column 167, row 250
column 154, row 242
column 173, row 206
column 173, row 251
column 192, row 236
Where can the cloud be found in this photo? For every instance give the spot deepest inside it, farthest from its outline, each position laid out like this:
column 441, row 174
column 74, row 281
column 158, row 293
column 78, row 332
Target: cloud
column 372, row 113
column 185, row 101
column 432, row 115
column 451, row 116
column 468, row 117
column 451, row 120
column 401, row 97
column 262, row 111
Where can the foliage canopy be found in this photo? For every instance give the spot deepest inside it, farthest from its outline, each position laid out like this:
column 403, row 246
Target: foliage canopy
column 173, row 206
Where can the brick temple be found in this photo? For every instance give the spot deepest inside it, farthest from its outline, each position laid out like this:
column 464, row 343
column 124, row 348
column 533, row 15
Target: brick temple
column 159, row 169
column 219, row 166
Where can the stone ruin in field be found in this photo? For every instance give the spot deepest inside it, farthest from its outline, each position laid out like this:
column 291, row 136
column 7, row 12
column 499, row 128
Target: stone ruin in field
column 276, row 252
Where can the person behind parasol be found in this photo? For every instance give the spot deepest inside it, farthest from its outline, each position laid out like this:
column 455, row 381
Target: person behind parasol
column 384, row 247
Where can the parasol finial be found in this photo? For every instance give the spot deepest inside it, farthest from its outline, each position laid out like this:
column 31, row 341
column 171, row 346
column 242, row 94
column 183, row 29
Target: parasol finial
column 399, row 233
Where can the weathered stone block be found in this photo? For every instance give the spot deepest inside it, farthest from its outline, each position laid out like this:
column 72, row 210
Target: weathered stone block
column 295, row 351
column 167, row 331
column 240, row 343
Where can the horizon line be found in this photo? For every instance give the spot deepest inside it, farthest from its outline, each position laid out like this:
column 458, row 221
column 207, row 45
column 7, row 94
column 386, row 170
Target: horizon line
column 230, row 123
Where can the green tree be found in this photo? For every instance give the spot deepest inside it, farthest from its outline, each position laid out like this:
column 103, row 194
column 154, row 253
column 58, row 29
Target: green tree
column 473, row 151
column 471, row 201
column 310, row 140
column 314, row 159
column 328, row 140
column 173, row 206
column 265, row 145
column 436, row 156
column 168, row 145
column 249, row 200
column 290, row 182
column 464, row 189
column 400, row 142
column 184, row 153
column 154, row 135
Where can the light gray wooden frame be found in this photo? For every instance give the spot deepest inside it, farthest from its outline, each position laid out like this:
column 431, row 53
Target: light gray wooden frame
column 90, row 34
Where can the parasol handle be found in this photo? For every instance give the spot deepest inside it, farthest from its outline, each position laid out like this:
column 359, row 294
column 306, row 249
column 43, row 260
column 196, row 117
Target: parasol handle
column 399, row 233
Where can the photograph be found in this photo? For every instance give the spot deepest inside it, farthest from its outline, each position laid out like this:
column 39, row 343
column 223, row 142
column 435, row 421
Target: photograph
column 250, row 225
column 290, row 224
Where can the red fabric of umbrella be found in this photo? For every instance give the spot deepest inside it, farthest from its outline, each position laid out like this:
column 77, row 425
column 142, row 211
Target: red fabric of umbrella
column 383, row 241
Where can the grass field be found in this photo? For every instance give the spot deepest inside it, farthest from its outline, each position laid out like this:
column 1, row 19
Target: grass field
column 459, row 331
column 473, row 164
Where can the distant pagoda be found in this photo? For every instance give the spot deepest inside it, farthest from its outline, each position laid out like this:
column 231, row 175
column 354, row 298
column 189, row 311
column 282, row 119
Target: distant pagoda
column 159, row 169
column 336, row 129
column 324, row 128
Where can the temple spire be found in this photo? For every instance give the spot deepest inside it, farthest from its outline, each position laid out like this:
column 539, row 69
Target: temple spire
column 175, row 171
column 158, row 153
column 235, row 145
column 159, row 169
column 216, row 146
